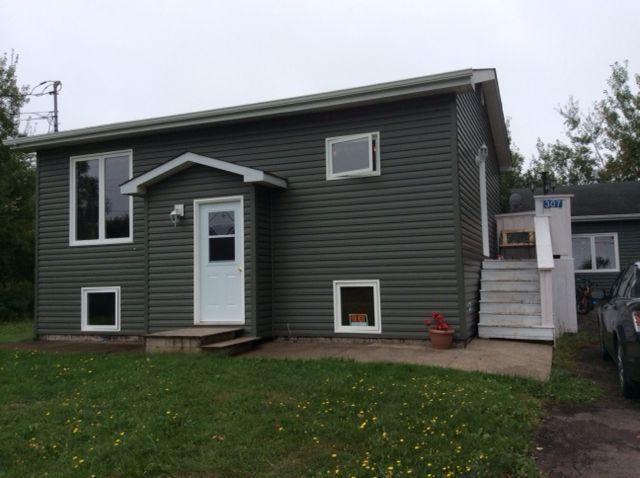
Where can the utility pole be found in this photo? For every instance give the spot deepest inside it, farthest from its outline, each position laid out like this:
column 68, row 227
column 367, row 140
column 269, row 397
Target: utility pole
column 54, row 92
column 42, row 89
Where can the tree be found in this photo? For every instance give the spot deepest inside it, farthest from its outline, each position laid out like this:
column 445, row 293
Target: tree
column 602, row 144
column 17, row 205
column 517, row 177
column 620, row 113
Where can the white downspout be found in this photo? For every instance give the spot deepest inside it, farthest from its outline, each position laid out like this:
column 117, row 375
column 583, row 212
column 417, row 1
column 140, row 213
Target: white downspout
column 481, row 161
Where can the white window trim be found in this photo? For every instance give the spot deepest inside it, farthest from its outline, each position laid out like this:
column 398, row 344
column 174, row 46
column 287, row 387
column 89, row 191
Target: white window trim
column 593, row 252
column 359, row 173
column 85, row 327
column 101, row 215
column 337, row 306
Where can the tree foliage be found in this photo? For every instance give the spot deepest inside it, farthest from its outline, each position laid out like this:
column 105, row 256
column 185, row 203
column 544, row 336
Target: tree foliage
column 603, row 143
column 518, row 177
column 17, row 205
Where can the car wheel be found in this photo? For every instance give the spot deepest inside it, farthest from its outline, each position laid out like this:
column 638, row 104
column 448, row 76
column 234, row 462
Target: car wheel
column 603, row 349
column 582, row 308
column 628, row 388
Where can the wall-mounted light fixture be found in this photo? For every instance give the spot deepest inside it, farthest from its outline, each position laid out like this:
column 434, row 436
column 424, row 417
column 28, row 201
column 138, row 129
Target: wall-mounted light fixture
column 483, row 152
column 176, row 214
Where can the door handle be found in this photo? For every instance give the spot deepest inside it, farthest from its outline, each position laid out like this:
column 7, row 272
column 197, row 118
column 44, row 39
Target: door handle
column 239, row 269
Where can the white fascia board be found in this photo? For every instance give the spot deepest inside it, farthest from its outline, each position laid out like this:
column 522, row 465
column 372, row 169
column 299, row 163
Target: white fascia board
column 138, row 184
column 606, row 217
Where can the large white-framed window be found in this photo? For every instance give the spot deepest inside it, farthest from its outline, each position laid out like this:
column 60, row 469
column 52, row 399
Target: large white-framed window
column 353, row 156
column 596, row 252
column 98, row 213
column 356, row 306
column 100, row 309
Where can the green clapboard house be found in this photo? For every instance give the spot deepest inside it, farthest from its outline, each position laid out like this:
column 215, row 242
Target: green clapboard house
column 353, row 213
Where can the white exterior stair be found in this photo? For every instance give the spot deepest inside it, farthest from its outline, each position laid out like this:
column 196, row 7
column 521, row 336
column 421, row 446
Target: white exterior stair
column 510, row 305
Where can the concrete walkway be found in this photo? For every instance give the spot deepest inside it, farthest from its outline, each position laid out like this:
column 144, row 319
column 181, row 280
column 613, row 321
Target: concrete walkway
column 493, row 356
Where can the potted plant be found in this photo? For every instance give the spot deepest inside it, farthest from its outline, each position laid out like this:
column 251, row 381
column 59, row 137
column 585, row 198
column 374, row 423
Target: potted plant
column 440, row 332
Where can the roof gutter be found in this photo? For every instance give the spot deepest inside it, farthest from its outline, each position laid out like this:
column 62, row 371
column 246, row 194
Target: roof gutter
column 606, row 217
column 460, row 80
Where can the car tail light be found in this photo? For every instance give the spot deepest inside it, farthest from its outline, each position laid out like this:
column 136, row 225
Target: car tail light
column 636, row 320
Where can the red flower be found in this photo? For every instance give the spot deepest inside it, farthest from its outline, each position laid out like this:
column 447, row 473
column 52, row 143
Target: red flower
column 440, row 322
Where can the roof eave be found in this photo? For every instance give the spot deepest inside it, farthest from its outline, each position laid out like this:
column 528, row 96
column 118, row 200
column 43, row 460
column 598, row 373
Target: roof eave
column 459, row 80
column 489, row 80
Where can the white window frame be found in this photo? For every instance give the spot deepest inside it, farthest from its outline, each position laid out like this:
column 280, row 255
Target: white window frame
column 337, row 306
column 592, row 238
column 85, row 326
column 358, row 173
column 73, row 160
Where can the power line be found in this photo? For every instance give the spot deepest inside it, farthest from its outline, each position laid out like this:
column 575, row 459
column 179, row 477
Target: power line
column 55, row 88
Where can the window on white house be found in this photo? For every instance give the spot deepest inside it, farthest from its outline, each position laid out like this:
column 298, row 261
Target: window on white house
column 357, row 306
column 100, row 309
column 99, row 213
column 353, row 156
column 596, row 252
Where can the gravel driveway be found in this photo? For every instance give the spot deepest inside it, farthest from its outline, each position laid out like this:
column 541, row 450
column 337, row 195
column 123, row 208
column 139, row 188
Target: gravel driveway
column 597, row 440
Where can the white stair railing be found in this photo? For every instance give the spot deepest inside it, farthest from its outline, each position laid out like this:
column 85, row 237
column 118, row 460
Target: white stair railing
column 544, row 254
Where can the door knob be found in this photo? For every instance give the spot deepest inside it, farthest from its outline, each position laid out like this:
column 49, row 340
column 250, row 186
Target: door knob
column 239, row 269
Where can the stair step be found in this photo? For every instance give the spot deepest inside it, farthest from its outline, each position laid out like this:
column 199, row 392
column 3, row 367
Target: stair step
column 509, row 308
column 233, row 346
column 510, row 274
column 194, row 332
column 511, row 286
column 516, row 333
column 510, row 296
column 509, row 264
column 515, row 320
column 188, row 339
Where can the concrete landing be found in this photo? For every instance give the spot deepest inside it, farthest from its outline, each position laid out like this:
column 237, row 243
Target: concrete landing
column 504, row 357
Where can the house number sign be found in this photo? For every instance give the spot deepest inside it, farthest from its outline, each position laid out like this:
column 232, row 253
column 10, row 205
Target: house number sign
column 549, row 203
column 358, row 319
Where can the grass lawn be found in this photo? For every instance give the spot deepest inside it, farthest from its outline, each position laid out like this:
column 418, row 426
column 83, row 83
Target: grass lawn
column 16, row 331
column 133, row 415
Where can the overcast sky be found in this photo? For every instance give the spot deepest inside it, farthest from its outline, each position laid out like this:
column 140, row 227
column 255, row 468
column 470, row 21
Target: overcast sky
column 124, row 60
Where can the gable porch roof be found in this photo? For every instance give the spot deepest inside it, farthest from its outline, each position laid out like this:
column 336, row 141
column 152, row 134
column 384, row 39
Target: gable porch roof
column 137, row 186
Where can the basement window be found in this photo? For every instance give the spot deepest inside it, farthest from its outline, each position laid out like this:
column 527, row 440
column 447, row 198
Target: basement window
column 595, row 252
column 356, row 306
column 100, row 309
column 353, row 156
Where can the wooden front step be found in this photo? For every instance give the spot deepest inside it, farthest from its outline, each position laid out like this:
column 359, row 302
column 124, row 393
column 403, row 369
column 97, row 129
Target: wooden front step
column 189, row 339
column 232, row 347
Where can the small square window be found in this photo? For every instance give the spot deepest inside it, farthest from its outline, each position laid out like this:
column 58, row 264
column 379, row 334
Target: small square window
column 353, row 156
column 357, row 306
column 100, row 309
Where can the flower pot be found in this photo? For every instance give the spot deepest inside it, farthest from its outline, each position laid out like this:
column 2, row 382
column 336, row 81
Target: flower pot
column 441, row 339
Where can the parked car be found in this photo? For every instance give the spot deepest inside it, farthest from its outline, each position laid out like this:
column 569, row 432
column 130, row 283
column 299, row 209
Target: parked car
column 619, row 321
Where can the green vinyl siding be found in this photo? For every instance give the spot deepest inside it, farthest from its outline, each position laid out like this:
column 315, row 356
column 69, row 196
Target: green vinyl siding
column 398, row 227
column 628, row 247
column 263, row 262
column 171, row 249
column 472, row 131
column 62, row 270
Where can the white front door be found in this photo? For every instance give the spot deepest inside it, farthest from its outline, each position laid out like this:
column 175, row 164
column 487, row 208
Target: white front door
column 220, row 262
